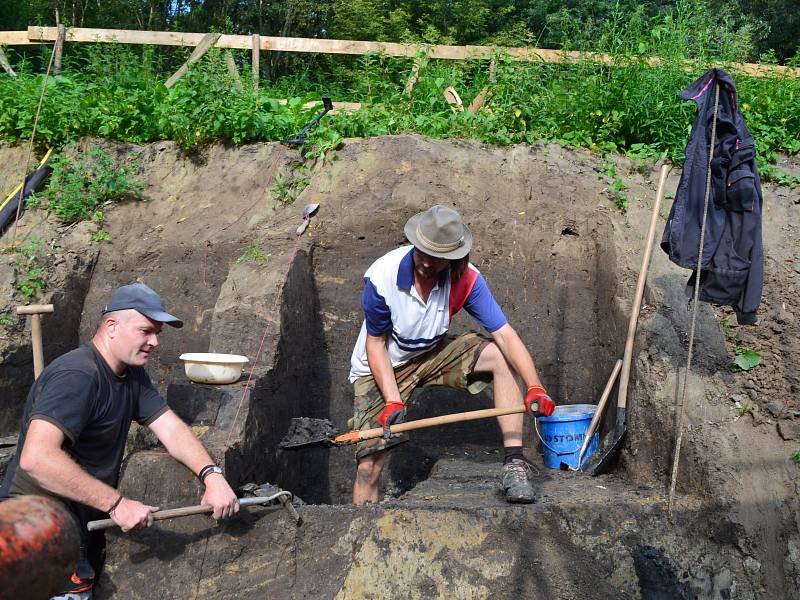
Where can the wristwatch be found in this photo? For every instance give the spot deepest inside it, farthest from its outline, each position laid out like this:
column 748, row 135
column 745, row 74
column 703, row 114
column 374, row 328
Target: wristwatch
column 208, row 470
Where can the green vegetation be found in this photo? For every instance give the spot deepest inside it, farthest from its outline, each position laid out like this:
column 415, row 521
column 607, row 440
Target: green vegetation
column 286, row 189
column 627, row 106
column 101, row 236
column 744, row 408
column 29, row 267
column 6, row 320
column 82, row 181
column 796, row 458
column 253, row 254
column 745, row 358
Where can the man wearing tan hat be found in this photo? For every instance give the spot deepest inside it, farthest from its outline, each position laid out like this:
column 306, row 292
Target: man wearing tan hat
column 410, row 295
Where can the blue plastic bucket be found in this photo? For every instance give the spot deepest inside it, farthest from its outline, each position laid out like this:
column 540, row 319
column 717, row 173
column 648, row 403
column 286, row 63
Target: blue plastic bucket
column 563, row 432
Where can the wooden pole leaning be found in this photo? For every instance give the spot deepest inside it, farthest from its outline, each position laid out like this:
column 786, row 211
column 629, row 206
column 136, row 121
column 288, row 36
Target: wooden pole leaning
column 233, row 70
column 208, row 40
column 35, row 311
column 413, row 77
column 5, row 64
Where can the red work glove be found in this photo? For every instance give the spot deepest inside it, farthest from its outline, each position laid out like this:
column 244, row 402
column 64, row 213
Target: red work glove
column 392, row 414
column 537, row 394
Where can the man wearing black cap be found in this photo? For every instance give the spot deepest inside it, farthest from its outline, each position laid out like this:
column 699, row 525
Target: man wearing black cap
column 410, row 295
column 76, row 421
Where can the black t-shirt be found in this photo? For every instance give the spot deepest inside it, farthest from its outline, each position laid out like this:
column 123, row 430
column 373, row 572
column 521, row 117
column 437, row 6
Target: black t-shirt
column 80, row 394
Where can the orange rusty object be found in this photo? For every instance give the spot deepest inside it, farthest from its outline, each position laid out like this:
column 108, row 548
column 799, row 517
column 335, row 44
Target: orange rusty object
column 39, row 547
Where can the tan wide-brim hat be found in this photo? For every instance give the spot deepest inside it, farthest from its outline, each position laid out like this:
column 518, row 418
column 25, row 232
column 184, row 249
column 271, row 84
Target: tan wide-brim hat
column 439, row 232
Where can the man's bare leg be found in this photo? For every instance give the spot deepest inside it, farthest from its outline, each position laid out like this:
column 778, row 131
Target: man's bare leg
column 368, row 474
column 506, row 392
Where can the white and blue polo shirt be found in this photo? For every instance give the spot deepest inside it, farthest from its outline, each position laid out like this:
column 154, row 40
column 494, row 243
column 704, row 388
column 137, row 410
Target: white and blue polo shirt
column 391, row 304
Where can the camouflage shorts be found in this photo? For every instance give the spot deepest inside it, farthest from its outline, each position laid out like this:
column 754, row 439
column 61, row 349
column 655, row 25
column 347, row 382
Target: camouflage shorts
column 451, row 364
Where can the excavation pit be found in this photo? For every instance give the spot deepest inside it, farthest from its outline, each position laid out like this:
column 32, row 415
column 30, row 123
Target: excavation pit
column 560, row 260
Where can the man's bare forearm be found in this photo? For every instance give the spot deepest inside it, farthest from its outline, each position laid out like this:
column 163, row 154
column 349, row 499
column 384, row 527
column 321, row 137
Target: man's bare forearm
column 516, row 354
column 381, row 367
column 180, row 442
column 60, row 475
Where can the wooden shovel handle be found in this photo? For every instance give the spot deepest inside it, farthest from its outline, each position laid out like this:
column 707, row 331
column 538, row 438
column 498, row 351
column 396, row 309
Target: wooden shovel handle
column 368, row 434
column 598, row 413
column 183, row 511
column 622, row 395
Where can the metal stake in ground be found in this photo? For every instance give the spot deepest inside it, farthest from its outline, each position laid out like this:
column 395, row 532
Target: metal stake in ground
column 677, row 455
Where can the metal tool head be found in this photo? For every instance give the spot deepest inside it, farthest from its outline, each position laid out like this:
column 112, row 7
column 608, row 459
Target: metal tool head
column 604, row 458
column 310, row 209
column 308, row 433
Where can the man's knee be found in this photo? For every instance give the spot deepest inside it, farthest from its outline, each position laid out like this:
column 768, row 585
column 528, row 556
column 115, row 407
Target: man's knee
column 491, row 359
column 369, row 469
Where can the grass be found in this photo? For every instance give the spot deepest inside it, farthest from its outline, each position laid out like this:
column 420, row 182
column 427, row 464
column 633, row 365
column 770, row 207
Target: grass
column 116, row 92
column 796, row 458
column 253, row 254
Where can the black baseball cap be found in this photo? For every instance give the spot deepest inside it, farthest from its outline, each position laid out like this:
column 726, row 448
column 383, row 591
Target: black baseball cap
column 141, row 298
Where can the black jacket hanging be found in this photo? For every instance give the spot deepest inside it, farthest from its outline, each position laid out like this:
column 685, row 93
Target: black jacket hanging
column 732, row 272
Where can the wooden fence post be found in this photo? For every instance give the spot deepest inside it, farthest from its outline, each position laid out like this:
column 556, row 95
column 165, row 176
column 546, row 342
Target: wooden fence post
column 208, row 40
column 256, row 60
column 59, row 48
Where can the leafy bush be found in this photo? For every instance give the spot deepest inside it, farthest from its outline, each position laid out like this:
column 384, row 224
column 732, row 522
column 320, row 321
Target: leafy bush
column 629, row 105
column 81, row 182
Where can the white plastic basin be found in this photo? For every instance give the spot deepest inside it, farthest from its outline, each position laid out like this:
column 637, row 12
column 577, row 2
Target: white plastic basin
column 208, row 367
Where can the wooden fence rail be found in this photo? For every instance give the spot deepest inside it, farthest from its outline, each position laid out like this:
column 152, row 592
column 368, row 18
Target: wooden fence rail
column 38, row 35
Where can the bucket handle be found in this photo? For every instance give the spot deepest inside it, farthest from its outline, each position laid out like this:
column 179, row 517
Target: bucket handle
column 539, row 435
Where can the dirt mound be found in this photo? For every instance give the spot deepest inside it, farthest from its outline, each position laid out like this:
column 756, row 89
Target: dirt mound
column 561, row 260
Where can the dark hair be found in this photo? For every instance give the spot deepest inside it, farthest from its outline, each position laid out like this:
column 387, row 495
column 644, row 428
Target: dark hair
column 457, row 268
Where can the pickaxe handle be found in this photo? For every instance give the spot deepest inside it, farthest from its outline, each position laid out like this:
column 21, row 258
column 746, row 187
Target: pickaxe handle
column 353, row 437
column 34, row 310
column 184, row 511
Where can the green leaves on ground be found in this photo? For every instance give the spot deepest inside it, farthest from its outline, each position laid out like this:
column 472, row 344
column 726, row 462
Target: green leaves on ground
column 82, row 181
column 254, row 254
column 746, row 359
column 29, row 268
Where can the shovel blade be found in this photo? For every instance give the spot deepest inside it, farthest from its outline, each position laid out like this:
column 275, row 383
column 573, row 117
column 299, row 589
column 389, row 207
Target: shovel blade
column 603, row 459
column 308, row 433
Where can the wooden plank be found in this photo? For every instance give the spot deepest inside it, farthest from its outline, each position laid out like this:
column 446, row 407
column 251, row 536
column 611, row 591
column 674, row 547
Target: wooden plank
column 453, row 99
column 287, row 44
column 338, row 107
column 208, row 40
column 233, row 70
column 59, row 48
column 16, row 38
column 256, row 50
column 5, row 64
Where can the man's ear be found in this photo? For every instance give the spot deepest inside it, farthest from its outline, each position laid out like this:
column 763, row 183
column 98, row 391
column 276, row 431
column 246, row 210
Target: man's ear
column 110, row 325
